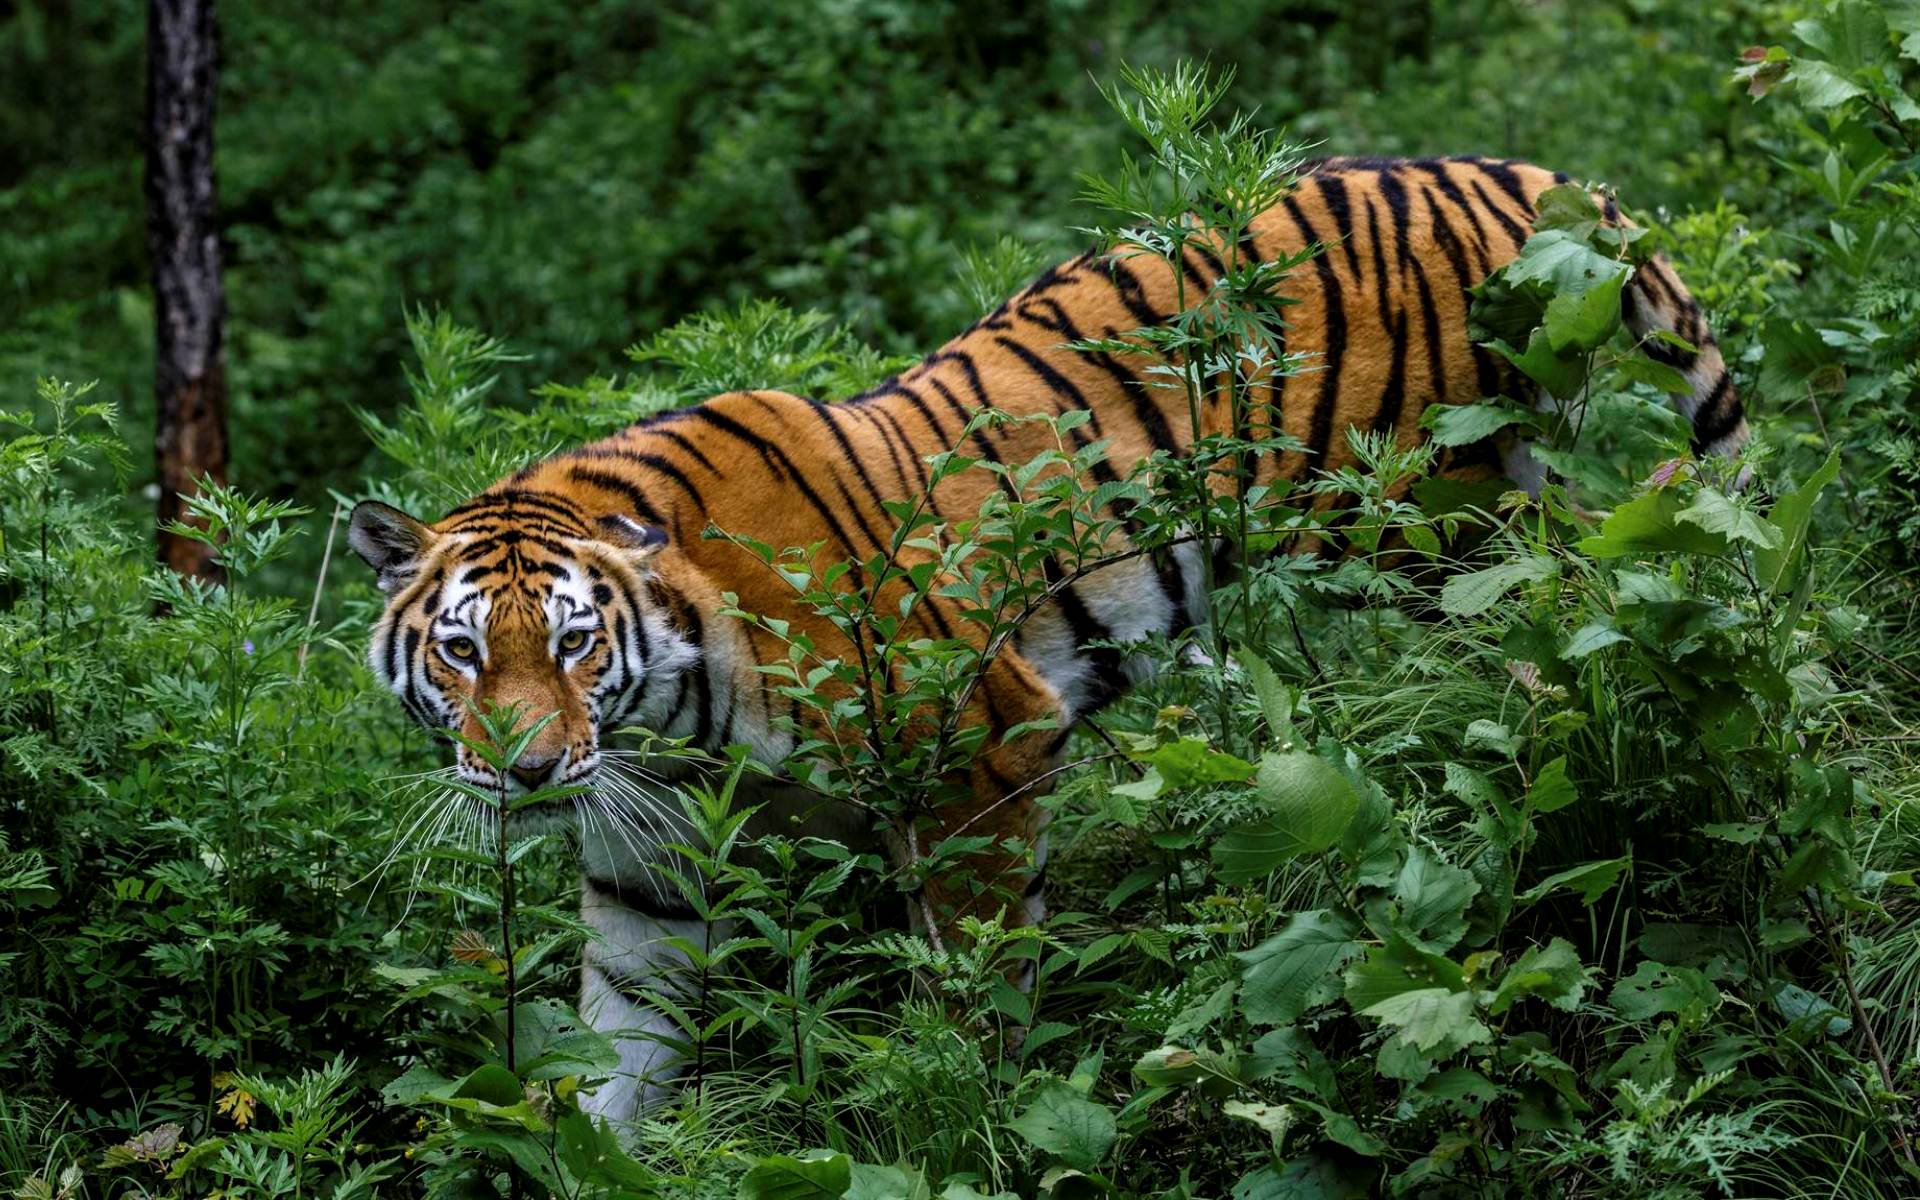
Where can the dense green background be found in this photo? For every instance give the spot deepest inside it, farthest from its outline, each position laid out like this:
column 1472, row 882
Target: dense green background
column 576, row 178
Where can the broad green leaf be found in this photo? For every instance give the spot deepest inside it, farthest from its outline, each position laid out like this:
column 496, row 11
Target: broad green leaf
column 1065, row 1123
column 1432, row 1018
column 1309, row 1177
column 1565, row 262
column 1168, row 1066
column 1276, row 1119
column 1567, row 206
column 1309, row 804
column 1296, row 969
column 1477, row 591
column 1561, row 374
column 1462, row 1088
column 1853, row 33
column 1492, row 735
column 1715, row 512
column 1396, row 967
column 1821, row 85
column 591, row 1150
column 1594, row 635
column 1649, row 524
column 1577, row 322
column 1792, row 518
column 1464, row 424
column 1341, row 1128
column 1656, row 989
column 1190, row 761
column 814, row 1175
column 1552, row 790
column 1654, row 374
column 1816, row 863
column 1797, row 1004
column 1592, row 880
column 1432, row 897
column 1552, row 973
column 1473, row 787
column 887, row 1183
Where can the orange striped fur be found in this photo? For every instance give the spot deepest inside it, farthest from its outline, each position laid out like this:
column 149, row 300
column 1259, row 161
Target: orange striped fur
column 617, row 525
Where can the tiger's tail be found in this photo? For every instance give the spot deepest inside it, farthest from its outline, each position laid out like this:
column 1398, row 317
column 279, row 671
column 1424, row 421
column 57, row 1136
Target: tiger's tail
column 1655, row 301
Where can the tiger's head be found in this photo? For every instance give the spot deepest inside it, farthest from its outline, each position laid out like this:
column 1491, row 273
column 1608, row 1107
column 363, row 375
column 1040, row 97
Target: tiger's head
column 522, row 600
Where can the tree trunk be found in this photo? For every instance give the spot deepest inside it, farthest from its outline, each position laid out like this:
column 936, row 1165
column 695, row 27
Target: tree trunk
column 189, row 306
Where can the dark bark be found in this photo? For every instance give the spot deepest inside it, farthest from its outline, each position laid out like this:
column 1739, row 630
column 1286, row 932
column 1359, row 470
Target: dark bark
column 189, row 304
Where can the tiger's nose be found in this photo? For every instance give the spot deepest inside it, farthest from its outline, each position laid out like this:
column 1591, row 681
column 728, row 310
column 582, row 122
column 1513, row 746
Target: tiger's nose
column 533, row 772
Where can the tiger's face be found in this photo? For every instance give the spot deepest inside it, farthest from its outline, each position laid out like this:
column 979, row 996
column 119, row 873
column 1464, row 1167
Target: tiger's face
column 518, row 606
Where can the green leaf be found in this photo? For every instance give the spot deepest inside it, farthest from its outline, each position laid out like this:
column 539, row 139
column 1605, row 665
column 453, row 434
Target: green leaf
column 1464, row 424
column 1821, row 85
column 1797, row 1004
column 1792, row 518
column 1063, row 1122
column 814, row 1175
column 1477, row 591
column 1432, row 897
column 1276, row 698
column 1852, row 32
column 1552, row 790
column 887, row 1183
column 1461, row 1088
column 1592, row 880
column 1577, row 322
column 1552, row 973
column 592, row 1152
column 1567, row 206
column 1432, row 1019
column 1649, row 524
column 1594, row 635
column 1170, row 1066
column 1397, row 967
column 1189, row 762
column 1341, row 1128
column 1309, row 805
column 1309, row 1177
column 1562, row 375
column 1565, row 262
column 1296, row 969
column 1656, row 989
column 1716, row 512
column 1654, row 374
column 1276, row 1119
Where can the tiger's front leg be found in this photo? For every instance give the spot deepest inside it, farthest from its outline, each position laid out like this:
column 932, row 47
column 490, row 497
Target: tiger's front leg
column 636, row 955
column 1007, row 878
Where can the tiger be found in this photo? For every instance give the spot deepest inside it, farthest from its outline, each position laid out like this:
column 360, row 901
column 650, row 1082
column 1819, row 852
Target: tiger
column 581, row 586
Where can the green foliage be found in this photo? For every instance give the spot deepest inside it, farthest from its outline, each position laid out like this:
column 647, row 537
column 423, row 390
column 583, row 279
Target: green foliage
column 1582, row 867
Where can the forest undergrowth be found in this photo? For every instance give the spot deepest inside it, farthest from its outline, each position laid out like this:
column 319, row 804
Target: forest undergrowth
column 1532, row 846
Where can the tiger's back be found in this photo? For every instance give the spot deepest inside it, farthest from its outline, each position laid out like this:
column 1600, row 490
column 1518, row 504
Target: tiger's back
column 1382, row 311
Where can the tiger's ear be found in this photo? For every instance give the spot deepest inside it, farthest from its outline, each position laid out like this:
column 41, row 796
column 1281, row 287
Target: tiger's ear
column 641, row 542
column 389, row 540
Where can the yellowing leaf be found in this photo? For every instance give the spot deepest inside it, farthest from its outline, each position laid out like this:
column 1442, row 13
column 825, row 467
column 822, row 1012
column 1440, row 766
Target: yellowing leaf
column 237, row 1105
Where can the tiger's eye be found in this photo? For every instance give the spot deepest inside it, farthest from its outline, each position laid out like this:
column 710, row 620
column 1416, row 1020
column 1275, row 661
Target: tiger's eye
column 462, row 648
column 573, row 639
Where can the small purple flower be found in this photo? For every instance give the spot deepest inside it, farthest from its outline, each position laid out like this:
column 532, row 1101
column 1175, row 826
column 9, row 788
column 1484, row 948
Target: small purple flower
column 247, row 646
